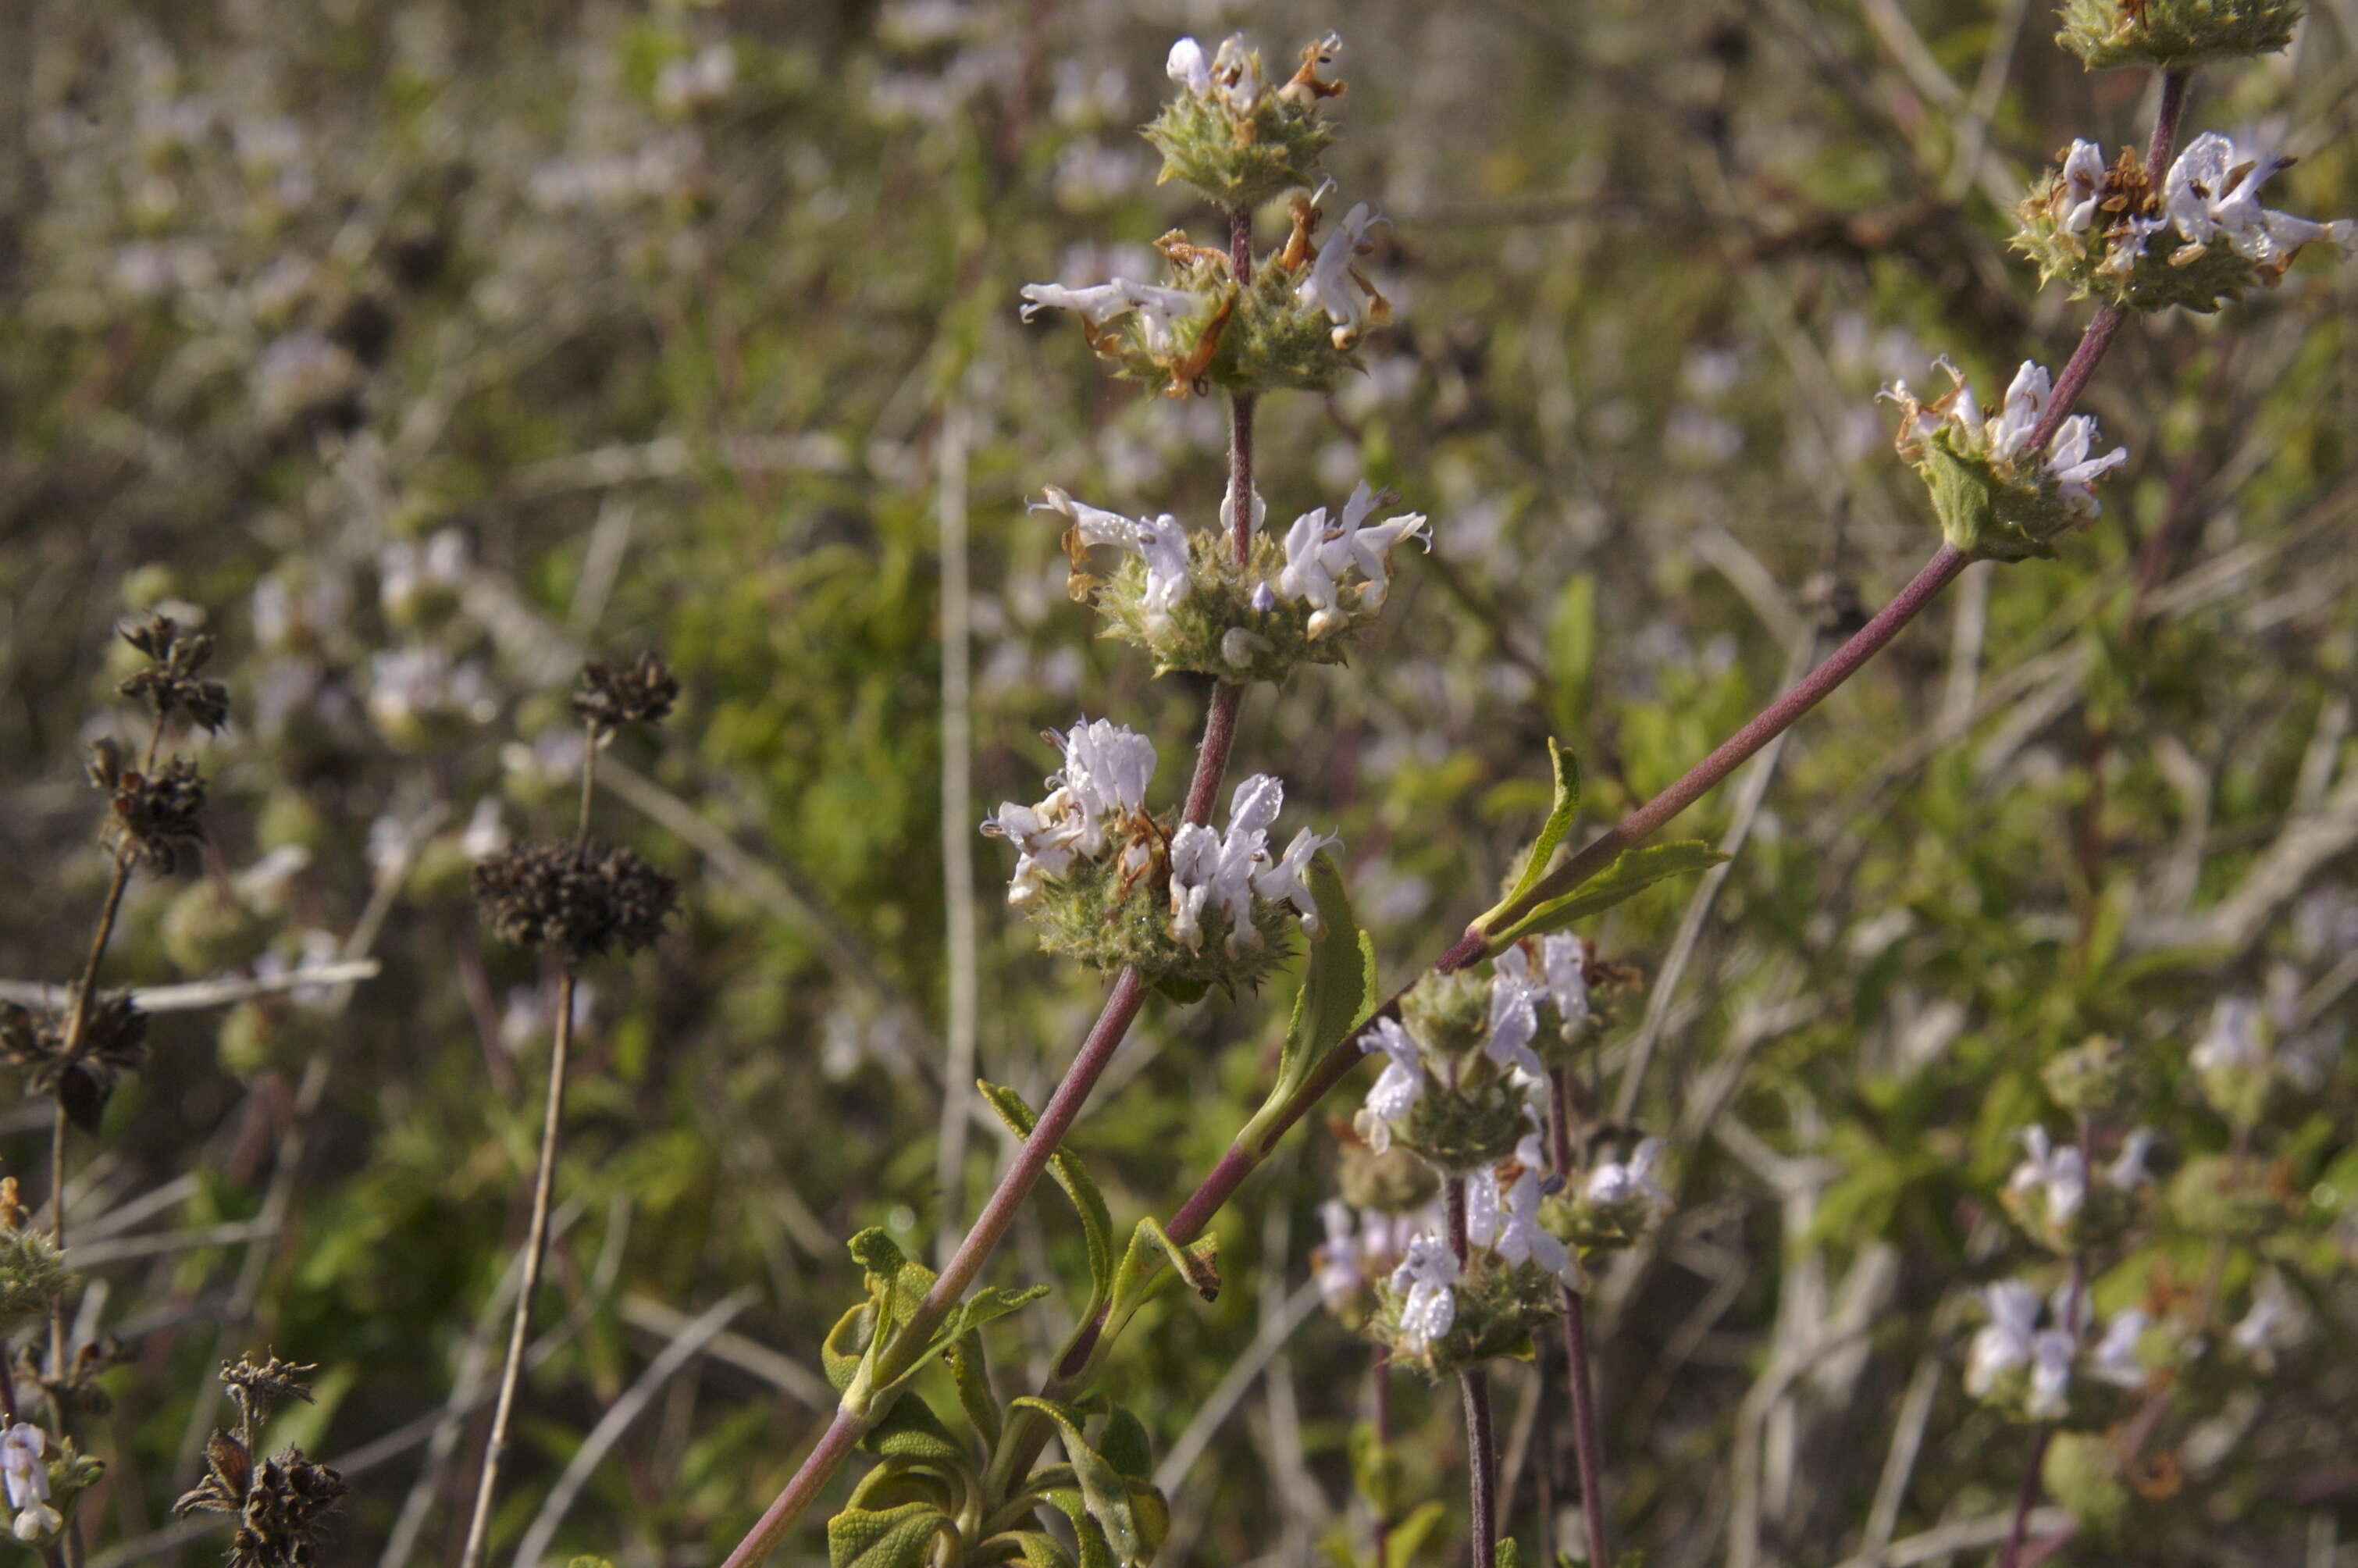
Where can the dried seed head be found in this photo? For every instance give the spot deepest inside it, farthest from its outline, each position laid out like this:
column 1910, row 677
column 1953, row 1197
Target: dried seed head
column 280, row 1503
column 258, row 1388
column 578, row 901
column 81, row 1073
column 640, row 692
column 170, row 685
column 155, row 818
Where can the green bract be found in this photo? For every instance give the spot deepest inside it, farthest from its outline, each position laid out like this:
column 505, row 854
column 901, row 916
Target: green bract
column 1988, row 514
column 1465, row 1128
column 2173, row 33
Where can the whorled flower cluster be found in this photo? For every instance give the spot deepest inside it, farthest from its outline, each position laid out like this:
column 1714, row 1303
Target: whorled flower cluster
column 2103, row 229
column 1465, row 1087
column 1995, row 497
column 1183, row 597
column 1428, row 1055
column 1292, row 318
column 2051, row 1196
column 1112, row 885
column 2015, row 1366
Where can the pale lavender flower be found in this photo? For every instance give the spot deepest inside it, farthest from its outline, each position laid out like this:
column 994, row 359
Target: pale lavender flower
column 1615, row 1183
column 2127, row 1170
column 1514, row 1018
column 1330, row 287
column 1161, row 542
column 2061, row 1172
column 1396, row 1088
column 2212, row 190
column 1188, row 68
column 1428, row 1276
column 2005, row 1341
column 2115, row 1359
column 2083, row 184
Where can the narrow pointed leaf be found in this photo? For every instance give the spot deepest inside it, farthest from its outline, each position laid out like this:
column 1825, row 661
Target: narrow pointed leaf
column 1338, row 989
column 1565, row 807
column 1632, row 873
column 1105, row 1491
column 971, row 1370
column 1096, row 1222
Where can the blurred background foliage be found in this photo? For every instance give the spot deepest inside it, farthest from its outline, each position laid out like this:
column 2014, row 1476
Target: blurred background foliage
column 420, row 349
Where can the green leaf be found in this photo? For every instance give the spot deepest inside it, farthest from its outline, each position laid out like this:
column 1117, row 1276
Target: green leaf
column 1105, row 1491
column 1096, row 1222
column 1552, row 832
column 911, row 1431
column 889, row 1538
column 590, row 1562
column 1140, row 1275
column 1041, row 1550
column 971, row 1370
column 1375, row 1469
column 1631, row 873
column 1063, row 1493
column 1571, row 652
column 1511, row 1555
column 1409, row 1536
column 1124, row 1445
column 1338, row 989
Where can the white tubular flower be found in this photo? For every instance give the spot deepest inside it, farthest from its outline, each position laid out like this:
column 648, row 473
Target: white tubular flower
column 1285, row 883
column 2004, row 1342
column 1215, row 872
column 1615, row 1183
column 1100, row 303
column 1044, row 846
column 2128, row 249
column 1520, row 1239
column 2074, row 470
column 1235, row 76
column 1330, row 287
column 1158, row 309
column 2127, row 1172
column 2214, row 191
column 2271, row 1312
column 1161, row 542
column 21, row 1450
column 1514, row 1020
column 2062, row 1172
column 1307, row 575
column 2114, row 1360
column 1427, row 1274
column 1486, row 1207
column 2051, row 1350
column 1369, row 549
column 1188, row 68
column 2026, row 400
column 2083, row 182
column 1564, row 964
column 1339, row 1260
column 1108, row 767
column 1097, row 304
column 1396, row 1089
column 1194, row 860
column 2233, row 1041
